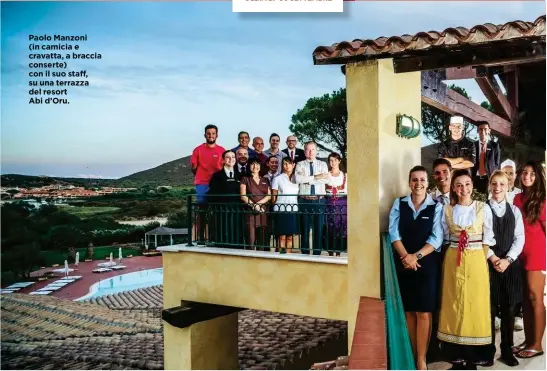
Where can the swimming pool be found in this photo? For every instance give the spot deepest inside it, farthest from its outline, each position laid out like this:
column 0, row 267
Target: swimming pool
column 125, row 282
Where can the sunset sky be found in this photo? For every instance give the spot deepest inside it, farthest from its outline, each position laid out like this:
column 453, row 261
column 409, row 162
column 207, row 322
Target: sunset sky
column 169, row 69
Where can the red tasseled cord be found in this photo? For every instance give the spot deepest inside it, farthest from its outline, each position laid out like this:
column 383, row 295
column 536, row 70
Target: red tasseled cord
column 463, row 242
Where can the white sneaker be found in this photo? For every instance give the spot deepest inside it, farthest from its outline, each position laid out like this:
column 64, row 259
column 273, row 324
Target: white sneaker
column 497, row 323
column 519, row 326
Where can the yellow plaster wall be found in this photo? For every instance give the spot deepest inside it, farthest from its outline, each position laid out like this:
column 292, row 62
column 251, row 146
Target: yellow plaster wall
column 378, row 161
column 278, row 285
column 190, row 348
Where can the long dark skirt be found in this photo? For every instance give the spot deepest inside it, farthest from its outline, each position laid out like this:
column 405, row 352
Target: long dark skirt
column 336, row 211
column 335, row 233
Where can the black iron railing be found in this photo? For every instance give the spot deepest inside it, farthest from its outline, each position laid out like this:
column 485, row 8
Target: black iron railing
column 313, row 225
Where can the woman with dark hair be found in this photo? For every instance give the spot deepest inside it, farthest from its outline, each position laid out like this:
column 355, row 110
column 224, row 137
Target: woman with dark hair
column 336, row 209
column 255, row 192
column 531, row 203
column 223, row 199
column 464, row 322
column 285, row 200
column 416, row 233
column 505, row 269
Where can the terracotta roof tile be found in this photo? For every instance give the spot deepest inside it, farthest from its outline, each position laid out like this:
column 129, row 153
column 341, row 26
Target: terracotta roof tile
column 384, row 47
column 123, row 331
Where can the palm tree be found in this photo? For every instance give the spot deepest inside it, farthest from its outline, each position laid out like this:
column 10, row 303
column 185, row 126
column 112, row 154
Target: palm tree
column 89, row 251
column 72, row 253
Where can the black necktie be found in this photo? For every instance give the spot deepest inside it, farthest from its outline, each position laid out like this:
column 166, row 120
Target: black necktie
column 243, row 169
column 231, row 175
column 312, row 188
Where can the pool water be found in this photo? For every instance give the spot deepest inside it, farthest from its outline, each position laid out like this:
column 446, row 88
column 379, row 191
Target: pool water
column 125, row 282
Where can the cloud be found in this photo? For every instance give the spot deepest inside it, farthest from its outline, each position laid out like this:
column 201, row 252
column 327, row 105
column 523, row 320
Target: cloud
column 90, row 176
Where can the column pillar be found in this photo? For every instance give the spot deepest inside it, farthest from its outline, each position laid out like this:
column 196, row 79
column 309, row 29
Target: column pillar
column 208, row 345
column 378, row 161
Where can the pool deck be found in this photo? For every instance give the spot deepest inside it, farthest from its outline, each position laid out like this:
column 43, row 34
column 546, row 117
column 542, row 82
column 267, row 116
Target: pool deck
column 81, row 287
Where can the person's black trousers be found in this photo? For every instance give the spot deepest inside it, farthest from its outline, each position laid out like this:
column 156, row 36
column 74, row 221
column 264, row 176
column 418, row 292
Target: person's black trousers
column 507, row 312
column 312, row 216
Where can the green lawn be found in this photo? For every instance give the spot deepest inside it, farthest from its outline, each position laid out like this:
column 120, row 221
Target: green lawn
column 90, row 211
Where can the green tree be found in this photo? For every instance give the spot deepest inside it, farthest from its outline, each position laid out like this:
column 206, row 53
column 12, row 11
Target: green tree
column 63, row 236
column 434, row 121
column 177, row 220
column 323, row 120
column 22, row 259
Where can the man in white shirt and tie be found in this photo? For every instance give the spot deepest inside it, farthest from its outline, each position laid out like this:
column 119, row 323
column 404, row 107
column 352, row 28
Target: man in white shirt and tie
column 311, row 175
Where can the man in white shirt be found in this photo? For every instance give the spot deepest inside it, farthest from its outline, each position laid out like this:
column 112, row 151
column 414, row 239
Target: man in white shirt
column 510, row 169
column 311, row 175
column 442, row 171
column 274, row 150
column 273, row 168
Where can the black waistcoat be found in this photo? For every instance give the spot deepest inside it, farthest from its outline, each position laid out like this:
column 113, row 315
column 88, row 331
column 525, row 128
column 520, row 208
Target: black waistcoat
column 505, row 287
column 415, row 232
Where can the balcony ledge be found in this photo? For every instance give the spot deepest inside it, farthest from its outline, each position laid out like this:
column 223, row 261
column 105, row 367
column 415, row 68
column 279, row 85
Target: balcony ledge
column 256, row 254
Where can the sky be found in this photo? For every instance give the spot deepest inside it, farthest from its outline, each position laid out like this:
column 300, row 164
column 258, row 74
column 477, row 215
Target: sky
column 169, row 69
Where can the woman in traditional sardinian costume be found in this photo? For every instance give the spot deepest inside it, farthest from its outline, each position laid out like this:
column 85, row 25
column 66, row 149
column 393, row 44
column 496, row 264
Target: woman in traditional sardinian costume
column 464, row 324
column 505, row 267
column 337, row 207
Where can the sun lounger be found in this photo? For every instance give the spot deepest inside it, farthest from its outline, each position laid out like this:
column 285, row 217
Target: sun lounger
column 12, row 289
column 20, row 285
column 62, row 270
column 58, row 284
column 118, row 267
column 40, row 292
column 72, row 277
column 106, row 264
column 101, row 270
column 5, row 291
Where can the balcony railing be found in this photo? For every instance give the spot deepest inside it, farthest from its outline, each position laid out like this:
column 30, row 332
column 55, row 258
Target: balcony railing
column 400, row 355
column 225, row 221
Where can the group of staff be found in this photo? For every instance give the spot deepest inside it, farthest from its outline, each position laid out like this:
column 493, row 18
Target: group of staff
column 251, row 194
column 463, row 261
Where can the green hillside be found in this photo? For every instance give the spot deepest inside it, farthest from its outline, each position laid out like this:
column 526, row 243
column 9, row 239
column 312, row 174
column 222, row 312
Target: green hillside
column 173, row 173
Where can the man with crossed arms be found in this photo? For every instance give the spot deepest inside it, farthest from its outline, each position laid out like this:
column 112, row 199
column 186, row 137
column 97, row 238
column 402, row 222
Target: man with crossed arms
column 311, row 175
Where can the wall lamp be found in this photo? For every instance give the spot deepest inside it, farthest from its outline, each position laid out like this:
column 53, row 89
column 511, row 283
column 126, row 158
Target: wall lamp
column 407, row 126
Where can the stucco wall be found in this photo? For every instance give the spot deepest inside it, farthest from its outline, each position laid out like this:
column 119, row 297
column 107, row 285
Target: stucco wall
column 378, row 161
column 307, row 288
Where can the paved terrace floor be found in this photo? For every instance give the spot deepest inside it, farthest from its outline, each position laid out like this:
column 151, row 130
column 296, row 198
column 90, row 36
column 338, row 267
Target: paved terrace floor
column 81, row 287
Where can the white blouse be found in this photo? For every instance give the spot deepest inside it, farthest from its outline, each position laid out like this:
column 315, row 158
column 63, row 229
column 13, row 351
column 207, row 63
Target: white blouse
column 337, row 181
column 464, row 216
column 284, row 186
column 518, row 240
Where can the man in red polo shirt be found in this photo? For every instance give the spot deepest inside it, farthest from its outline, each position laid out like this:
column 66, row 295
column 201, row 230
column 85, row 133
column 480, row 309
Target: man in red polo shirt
column 206, row 160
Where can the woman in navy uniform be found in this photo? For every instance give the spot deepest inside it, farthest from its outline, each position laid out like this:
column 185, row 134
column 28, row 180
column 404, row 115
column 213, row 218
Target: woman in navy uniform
column 416, row 234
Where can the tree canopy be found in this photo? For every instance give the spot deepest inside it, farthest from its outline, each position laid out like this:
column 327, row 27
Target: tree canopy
column 324, row 121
